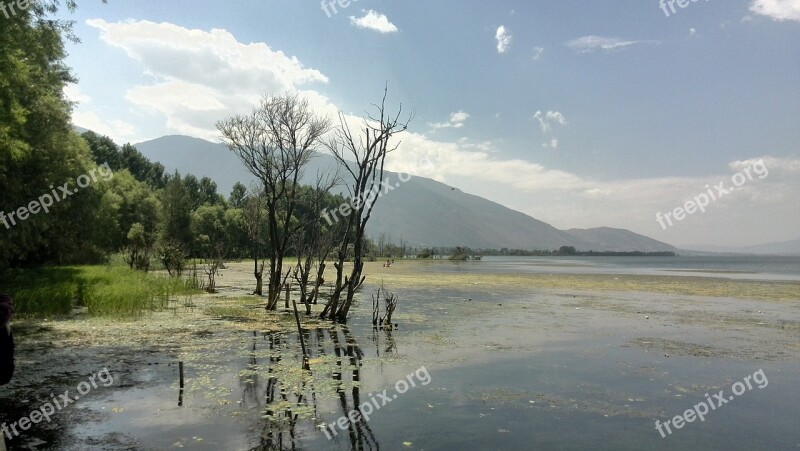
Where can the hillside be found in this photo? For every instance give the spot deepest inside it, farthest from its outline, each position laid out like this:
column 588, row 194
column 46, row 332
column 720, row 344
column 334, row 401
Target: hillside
column 421, row 211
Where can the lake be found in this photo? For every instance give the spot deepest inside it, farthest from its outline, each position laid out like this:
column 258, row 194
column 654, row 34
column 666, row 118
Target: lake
column 506, row 365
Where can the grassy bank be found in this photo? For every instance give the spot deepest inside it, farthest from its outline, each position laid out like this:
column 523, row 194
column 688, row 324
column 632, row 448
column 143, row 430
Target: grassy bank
column 104, row 290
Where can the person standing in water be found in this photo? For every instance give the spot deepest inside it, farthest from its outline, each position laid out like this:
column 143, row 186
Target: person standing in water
column 6, row 339
column 6, row 346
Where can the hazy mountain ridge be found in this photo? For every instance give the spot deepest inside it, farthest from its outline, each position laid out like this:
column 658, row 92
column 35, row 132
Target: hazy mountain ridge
column 421, row 211
column 791, row 247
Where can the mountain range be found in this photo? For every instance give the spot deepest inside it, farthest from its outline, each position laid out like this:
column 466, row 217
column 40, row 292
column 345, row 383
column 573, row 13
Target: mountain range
column 419, row 211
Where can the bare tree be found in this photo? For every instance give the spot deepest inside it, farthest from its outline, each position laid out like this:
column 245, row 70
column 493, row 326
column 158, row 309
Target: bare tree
column 315, row 241
column 274, row 143
column 363, row 157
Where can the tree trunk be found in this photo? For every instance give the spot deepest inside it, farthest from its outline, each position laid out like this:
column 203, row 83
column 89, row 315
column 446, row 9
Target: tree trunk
column 259, row 274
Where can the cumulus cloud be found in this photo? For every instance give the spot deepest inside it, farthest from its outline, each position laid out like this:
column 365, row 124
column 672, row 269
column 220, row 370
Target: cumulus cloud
column 778, row 10
column 589, row 44
column 546, row 120
column 74, row 94
column 374, row 21
column 537, row 53
column 456, row 120
column 503, row 38
column 119, row 131
column 199, row 77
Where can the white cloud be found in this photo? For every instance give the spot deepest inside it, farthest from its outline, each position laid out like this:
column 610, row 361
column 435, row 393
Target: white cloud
column 567, row 200
column 199, row 77
column 537, row 53
column 73, row 93
column 552, row 144
column 778, row 10
column 546, row 120
column 692, row 32
column 589, row 44
column 503, row 38
column 374, row 21
column 456, row 120
column 202, row 76
column 119, row 131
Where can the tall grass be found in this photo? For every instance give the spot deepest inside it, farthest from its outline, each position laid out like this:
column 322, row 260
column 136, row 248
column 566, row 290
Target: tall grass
column 41, row 292
column 110, row 290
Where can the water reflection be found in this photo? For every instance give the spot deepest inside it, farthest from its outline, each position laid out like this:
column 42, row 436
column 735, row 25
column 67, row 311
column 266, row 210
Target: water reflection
column 289, row 402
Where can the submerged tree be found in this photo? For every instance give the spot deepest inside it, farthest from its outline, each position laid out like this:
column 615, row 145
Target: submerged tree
column 274, row 143
column 317, row 239
column 363, row 157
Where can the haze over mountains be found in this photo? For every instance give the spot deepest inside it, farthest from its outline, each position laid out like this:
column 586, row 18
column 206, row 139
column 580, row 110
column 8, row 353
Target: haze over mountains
column 420, row 211
column 424, row 212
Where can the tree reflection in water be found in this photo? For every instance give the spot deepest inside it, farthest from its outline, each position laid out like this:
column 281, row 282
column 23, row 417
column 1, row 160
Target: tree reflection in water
column 288, row 404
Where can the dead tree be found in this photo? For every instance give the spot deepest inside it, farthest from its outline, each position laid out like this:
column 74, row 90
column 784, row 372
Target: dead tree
column 313, row 243
column 363, row 157
column 390, row 304
column 274, row 143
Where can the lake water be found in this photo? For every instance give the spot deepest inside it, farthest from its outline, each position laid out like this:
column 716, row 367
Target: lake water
column 749, row 267
column 512, row 369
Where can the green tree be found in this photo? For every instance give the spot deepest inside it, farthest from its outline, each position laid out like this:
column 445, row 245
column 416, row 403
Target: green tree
column 104, row 150
column 238, row 194
column 207, row 192
column 176, row 211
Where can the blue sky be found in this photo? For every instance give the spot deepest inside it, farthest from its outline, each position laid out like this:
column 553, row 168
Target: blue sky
column 579, row 113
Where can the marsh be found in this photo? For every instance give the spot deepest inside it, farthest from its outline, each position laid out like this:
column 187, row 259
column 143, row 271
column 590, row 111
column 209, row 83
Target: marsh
column 550, row 355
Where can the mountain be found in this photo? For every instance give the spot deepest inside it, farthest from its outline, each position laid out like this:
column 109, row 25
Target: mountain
column 420, row 211
column 791, row 247
column 199, row 157
column 619, row 240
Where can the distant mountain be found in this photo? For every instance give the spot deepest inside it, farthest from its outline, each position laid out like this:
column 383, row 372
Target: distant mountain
column 199, row 157
column 791, row 247
column 421, row 211
column 618, row 240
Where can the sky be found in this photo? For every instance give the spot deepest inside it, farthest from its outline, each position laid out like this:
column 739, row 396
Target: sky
column 578, row 113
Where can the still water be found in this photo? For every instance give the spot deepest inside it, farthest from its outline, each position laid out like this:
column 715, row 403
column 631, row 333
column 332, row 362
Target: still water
column 509, row 369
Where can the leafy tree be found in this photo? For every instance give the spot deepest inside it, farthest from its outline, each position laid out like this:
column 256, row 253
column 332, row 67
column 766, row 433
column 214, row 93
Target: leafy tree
column 141, row 168
column 137, row 253
column 238, row 194
column 37, row 146
column 177, row 209
column 104, row 150
column 209, row 221
column 207, row 193
column 567, row 250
